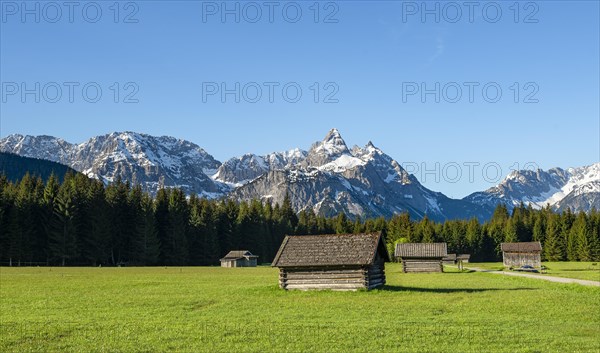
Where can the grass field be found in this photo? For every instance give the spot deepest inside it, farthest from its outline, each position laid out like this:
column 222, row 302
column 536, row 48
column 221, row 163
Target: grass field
column 579, row 270
column 229, row 310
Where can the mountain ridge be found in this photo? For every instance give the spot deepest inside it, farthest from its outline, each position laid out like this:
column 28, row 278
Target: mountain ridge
column 329, row 177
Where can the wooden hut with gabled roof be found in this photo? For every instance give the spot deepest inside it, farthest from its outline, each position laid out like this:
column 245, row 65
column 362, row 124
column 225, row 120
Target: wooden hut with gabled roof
column 239, row 258
column 522, row 254
column 337, row 262
column 421, row 257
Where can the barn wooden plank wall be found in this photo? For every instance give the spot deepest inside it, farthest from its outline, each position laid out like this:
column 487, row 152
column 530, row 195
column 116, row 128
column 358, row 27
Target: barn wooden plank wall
column 522, row 259
column 316, row 278
column 376, row 274
column 422, row 265
column 343, row 278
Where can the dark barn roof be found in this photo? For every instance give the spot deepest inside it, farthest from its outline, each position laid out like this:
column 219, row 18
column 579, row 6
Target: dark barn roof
column 238, row 254
column 330, row 250
column 421, row 250
column 534, row 246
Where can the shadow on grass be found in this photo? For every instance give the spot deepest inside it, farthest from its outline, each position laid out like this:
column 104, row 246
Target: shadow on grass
column 446, row 290
column 458, row 272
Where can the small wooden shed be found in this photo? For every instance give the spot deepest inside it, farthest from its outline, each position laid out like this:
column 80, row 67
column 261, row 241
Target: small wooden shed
column 522, row 254
column 449, row 259
column 421, row 257
column 239, row 258
column 463, row 258
column 337, row 262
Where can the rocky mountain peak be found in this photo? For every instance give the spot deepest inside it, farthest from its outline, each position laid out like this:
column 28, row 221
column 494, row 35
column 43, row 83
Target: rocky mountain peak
column 333, row 144
column 328, row 150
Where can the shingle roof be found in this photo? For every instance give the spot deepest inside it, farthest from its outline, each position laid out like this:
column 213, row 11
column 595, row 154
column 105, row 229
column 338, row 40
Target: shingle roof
column 534, row 246
column 329, row 250
column 238, row 254
column 408, row 250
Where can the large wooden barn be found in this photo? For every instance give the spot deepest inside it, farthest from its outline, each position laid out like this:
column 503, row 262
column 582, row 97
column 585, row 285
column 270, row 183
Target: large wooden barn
column 338, row 262
column 239, row 258
column 522, row 254
column 421, row 257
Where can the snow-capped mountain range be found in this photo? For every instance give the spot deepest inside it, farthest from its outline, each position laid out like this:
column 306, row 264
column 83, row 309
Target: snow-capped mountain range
column 575, row 188
column 329, row 177
column 147, row 160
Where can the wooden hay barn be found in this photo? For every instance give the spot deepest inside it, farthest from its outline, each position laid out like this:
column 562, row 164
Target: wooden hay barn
column 522, row 254
column 463, row 257
column 450, row 259
column 239, row 258
column 421, row 257
column 337, row 262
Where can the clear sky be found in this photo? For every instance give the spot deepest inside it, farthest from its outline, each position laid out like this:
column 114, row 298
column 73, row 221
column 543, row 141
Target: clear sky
column 369, row 61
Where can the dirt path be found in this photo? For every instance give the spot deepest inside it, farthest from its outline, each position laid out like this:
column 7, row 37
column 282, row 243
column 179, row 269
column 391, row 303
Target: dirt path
column 546, row 278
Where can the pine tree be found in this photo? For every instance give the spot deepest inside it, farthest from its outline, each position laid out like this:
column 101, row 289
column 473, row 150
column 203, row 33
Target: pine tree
column 511, row 231
column 358, row 227
column 427, row 230
column 500, row 214
column 203, row 237
column 553, row 245
column 539, row 228
column 161, row 213
column 148, row 242
column 473, row 237
column 581, row 233
column 226, row 217
column 95, row 246
column 145, row 247
column 122, row 223
column 22, row 228
column 62, row 242
column 175, row 245
column 287, row 212
column 567, row 219
column 342, row 224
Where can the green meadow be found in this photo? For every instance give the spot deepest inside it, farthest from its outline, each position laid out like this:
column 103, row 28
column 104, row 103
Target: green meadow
column 579, row 270
column 211, row 309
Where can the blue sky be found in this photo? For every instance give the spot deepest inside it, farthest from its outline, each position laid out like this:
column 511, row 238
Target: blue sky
column 363, row 58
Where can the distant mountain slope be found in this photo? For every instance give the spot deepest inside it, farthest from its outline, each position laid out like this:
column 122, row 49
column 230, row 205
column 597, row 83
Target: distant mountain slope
column 328, row 178
column 140, row 158
column 575, row 188
column 241, row 170
column 15, row 167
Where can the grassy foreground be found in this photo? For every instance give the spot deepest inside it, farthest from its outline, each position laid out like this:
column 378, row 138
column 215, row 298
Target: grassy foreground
column 578, row 270
column 227, row 310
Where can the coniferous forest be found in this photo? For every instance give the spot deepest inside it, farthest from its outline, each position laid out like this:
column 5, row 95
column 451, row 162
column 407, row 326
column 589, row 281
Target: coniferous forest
column 82, row 222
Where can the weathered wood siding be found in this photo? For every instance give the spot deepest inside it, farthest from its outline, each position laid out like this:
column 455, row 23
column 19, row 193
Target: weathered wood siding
column 376, row 273
column 240, row 263
column 422, row 265
column 334, row 278
column 518, row 259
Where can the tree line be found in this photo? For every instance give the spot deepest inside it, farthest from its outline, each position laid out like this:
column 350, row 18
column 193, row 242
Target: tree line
column 81, row 222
